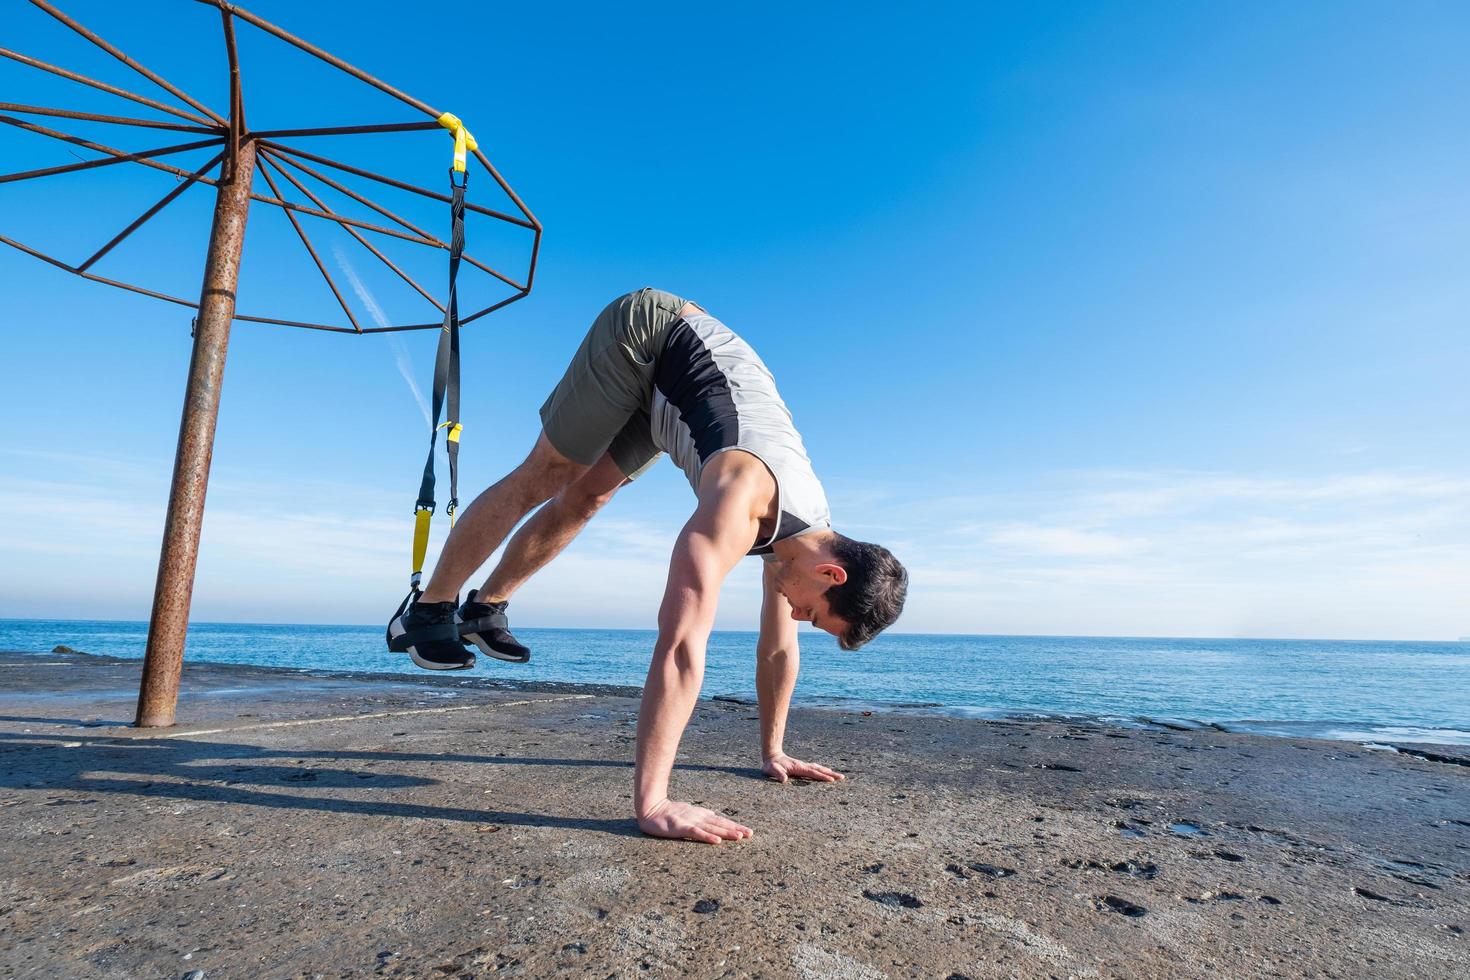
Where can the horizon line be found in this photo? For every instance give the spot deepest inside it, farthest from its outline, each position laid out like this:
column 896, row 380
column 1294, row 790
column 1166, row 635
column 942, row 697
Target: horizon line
column 632, row 629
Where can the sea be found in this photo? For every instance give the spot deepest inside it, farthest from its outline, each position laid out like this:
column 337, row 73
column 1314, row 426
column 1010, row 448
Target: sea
column 1367, row 691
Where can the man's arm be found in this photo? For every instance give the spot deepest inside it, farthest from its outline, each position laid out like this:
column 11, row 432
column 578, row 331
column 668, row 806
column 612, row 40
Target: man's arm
column 778, row 659
column 712, row 542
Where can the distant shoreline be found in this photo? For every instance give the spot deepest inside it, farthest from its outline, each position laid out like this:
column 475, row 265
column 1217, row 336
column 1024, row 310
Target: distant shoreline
column 1200, row 638
column 1451, row 740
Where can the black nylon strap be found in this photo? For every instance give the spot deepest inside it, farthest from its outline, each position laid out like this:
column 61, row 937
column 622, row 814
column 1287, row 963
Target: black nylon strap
column 446, row 362
column 494, row 621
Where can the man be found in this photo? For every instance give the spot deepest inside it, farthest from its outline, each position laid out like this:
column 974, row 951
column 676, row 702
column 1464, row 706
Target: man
column 658, row 374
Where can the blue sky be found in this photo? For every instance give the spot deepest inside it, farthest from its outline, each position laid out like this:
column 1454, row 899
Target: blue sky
column 1108, row 318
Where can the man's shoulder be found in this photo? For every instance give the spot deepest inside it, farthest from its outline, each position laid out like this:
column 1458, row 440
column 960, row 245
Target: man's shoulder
column 737, row 471
column 736, row 482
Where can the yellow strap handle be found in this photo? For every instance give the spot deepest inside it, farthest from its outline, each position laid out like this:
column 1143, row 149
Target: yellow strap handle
column 424, row 516
column 421, row 519
column 463, row 141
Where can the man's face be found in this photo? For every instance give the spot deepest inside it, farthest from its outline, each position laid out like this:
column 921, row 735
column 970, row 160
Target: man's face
column 804, row 586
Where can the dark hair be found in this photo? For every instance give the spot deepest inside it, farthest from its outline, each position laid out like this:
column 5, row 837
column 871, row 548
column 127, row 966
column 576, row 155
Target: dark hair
column 872, row 597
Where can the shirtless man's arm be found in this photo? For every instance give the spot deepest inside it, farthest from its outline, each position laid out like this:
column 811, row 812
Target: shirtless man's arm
column 778, row 659
column 735, row 492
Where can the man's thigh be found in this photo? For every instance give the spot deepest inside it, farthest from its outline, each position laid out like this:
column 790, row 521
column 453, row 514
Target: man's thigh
column 600, row 482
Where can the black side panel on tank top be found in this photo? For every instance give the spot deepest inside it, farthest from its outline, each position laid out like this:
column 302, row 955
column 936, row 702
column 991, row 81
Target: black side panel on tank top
column 689, row 378
column 789, row 525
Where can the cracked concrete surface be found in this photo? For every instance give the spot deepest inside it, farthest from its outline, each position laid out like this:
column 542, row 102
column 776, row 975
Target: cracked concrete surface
column 310, row 825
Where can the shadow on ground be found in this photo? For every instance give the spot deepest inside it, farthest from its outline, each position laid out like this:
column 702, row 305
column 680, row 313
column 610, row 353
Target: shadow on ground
column 224, row 772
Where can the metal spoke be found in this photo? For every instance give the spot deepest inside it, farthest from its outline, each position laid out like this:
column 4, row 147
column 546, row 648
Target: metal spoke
column 307, row 326
column 330, row 59
column 37, row 110
column 332, row 184
column 301, row 232
column 272, row 150
column 115, row 155
column 120, row 56
column 499, row 180
column 342, row 219
column 103, row 86
column 498, row 275
column 495, row 306
column 349, row 130
column 297, row 164
column 401, row 185
column 94, row 278
column 278, row 164
column 163, row 203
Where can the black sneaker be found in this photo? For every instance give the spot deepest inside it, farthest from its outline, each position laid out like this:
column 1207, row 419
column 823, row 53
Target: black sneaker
column 426, row 631
column 484, row 625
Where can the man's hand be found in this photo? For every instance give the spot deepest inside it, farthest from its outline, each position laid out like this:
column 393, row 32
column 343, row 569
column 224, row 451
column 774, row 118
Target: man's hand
column 685, row 821
column 782, row 767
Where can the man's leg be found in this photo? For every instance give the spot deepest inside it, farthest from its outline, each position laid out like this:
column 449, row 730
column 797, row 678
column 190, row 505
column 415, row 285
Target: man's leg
column 482, row 619
column 486, row 522
column 552, row 528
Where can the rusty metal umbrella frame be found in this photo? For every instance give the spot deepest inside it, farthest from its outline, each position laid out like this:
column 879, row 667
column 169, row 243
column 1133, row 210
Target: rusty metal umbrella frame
column 241, row 152
column 230, row 135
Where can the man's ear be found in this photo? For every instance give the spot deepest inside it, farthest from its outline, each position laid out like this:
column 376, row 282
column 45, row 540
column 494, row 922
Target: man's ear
column 834, row 574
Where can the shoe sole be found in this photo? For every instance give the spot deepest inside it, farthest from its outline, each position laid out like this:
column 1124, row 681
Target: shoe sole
column 395, row 630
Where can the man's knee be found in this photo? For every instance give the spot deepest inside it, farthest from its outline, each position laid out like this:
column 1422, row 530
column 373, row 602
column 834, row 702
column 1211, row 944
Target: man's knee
column 583, row 500
column 546, row 472
column 590, row 492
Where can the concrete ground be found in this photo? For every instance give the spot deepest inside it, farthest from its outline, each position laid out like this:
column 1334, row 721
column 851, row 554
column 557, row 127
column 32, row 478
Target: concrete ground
column 308, row 825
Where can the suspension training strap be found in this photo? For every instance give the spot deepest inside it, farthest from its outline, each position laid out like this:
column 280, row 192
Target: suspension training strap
column 463, row 141
column 446, row 377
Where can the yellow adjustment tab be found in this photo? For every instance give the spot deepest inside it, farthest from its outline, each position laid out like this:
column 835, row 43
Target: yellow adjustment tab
column 421, row 519
column 463, row 141
column 454, row 431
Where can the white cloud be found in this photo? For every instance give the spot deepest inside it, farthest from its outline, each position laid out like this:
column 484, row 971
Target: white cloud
column 1071, row 542
column 1347, row 555
column 400, row 350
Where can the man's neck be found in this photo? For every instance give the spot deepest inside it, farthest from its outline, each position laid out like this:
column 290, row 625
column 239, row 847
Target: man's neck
column 802, row 544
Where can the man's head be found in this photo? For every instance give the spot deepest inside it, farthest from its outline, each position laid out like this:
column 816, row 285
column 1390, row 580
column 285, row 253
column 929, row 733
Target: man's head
column 851, row 589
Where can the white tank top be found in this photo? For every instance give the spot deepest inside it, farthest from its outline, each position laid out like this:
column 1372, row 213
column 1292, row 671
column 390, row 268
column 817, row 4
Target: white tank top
column 712, row 393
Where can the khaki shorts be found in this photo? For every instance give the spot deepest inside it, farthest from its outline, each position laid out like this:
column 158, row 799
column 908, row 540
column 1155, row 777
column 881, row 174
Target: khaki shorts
column 601, row 404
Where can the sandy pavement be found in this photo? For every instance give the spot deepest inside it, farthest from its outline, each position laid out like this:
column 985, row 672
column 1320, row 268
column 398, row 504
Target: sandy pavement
column 331, row 826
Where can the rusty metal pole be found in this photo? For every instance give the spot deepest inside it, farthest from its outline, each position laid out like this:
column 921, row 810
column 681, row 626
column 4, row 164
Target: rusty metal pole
column 169, row 622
